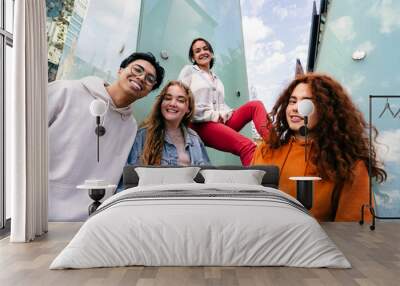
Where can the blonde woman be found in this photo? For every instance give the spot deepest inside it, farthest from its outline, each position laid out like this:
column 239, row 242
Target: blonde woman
column 164, row 138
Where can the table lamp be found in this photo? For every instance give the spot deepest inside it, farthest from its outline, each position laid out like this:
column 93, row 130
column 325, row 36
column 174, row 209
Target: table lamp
column 305, row 108
column 98, row 108
column 305, row 184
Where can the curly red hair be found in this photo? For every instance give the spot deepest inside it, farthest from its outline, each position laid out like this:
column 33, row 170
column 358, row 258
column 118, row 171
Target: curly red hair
column 340, row 137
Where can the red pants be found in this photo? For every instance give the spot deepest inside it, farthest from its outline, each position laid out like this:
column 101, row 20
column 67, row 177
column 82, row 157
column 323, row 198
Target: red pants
column 226, row 137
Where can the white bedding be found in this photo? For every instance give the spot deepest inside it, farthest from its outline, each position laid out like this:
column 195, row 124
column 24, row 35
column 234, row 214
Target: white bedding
column 206, row 230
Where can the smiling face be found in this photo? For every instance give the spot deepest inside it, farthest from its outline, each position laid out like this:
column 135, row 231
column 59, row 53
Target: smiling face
column 202, row 55
column 133, row 83
column 294, row 119
column 174, row 106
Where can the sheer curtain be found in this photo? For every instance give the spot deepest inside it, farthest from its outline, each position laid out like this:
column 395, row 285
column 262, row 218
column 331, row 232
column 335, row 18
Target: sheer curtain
column 26, row 123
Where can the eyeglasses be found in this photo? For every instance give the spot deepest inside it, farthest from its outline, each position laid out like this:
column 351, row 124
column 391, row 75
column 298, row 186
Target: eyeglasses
column 138, row 70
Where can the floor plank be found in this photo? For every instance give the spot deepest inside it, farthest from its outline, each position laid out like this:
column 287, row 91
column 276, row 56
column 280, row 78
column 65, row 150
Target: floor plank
column 374, row 255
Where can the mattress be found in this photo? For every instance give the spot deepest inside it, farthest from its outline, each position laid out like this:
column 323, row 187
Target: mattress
column 201, row 225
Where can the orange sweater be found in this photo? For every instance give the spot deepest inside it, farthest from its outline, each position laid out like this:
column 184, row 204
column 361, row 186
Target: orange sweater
column 290, row 160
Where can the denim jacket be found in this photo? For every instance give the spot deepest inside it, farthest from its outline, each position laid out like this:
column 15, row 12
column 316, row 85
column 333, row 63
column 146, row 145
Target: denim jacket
column 193, row 145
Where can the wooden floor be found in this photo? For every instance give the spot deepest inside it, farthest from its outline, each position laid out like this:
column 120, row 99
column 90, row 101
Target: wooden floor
column 374, row 255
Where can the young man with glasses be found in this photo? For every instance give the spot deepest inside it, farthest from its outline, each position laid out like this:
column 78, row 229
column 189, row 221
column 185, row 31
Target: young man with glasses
column 72, row 137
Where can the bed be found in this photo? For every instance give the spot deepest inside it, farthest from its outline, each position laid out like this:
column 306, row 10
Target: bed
column 225, row 216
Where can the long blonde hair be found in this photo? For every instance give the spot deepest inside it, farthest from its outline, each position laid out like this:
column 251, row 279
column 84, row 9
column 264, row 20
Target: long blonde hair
column 155, row 125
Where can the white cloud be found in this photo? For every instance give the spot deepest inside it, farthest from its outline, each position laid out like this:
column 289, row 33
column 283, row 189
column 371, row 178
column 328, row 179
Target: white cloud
column 281, row 12
column 263, row 55
column 262, row 75
column 277, row 45
column 343, row 28
column 268, row 93
column 387, row 150
column 255, row 33
column 284, row 12
column 257, row 4
column 272, row 62
column 254, row 29
column 299, row 52
column 387, row 14
column 253, row 6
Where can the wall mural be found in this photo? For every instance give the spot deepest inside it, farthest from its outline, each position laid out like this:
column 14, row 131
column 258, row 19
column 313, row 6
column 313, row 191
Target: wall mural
column 84, row 39
column 359, row 47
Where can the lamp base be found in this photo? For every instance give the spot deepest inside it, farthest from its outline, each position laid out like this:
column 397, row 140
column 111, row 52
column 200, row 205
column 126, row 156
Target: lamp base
column 96, row 195
column 305, row 190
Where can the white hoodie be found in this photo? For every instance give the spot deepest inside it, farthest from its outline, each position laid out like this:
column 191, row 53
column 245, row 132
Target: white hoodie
column 73, row 145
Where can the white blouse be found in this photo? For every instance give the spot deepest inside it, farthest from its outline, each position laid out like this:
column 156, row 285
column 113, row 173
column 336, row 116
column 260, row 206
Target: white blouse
column 208, row 94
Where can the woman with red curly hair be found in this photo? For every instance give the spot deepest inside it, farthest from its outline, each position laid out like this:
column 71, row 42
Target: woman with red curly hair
column 338, row 147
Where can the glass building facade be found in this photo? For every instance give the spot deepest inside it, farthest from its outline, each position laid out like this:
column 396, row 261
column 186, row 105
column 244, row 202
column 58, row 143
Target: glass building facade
column 94, row 37
column 359, row 43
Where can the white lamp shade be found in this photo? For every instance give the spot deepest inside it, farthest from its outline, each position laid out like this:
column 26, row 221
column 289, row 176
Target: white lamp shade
column 98, row 107
column 305, row 107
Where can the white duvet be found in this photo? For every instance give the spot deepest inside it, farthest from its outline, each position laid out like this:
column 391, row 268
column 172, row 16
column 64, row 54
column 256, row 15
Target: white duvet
column 185, row 230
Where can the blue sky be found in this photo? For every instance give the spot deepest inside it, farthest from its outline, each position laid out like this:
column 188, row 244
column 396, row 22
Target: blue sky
column 276, row 32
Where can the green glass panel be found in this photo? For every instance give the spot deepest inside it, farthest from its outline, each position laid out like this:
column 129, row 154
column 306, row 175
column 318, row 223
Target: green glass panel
column 90, row 37
column 169, row 26
column 371, row 27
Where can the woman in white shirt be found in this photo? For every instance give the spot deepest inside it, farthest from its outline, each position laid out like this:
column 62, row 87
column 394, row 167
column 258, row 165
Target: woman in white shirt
column 217, row 124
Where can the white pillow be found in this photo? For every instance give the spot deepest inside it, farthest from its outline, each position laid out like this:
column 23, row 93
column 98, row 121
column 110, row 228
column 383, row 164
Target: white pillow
column 249, row 177
column 162, row 176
